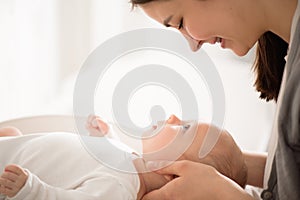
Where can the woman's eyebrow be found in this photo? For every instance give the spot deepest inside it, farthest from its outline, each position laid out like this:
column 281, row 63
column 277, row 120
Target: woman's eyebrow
column 166, row 21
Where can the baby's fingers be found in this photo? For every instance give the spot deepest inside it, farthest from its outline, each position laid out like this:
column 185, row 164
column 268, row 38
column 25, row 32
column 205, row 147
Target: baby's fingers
column 16, row 174
column 9, row 176
column 4, row 190
column 15, row 169
column 8, row 184
column 90, row 118
column 7, row 188
column 14, row 181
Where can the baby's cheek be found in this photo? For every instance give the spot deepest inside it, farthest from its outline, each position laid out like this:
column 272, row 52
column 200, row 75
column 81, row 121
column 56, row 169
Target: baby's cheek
column 155, row 143
column 190, row 153
column 151, row 145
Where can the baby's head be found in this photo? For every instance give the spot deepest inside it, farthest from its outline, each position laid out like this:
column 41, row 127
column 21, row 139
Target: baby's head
column 178, row 140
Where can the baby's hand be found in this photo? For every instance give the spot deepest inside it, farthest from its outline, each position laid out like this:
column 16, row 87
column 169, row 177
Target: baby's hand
column 12, row 180
column 96, row 126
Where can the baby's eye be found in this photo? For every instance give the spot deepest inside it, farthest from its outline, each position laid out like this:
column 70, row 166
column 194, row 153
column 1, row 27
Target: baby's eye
column 186, row 127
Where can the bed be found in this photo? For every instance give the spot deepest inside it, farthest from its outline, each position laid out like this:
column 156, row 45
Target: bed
column 45, row 123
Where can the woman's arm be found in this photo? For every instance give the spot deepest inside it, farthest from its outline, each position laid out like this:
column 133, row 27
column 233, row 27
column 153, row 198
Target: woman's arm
column 196, row 181
column 256, row 167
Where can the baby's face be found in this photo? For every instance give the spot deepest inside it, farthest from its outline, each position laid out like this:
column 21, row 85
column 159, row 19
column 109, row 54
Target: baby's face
column 174, row 140
column 179, row 140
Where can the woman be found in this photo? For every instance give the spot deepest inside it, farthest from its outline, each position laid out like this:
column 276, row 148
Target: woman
column 239, row 25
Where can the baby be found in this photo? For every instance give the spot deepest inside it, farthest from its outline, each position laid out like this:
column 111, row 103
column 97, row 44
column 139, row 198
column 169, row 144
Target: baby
column 75, row 174
column 168, row 136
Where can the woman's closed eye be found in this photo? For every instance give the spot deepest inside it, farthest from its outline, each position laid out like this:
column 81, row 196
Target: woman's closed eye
column 180, row 25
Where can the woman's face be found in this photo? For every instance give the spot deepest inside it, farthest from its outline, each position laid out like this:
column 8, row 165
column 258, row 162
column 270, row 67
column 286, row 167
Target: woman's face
column 235, row 24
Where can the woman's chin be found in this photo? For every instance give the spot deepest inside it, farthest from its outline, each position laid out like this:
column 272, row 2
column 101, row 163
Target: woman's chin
column 240, row 51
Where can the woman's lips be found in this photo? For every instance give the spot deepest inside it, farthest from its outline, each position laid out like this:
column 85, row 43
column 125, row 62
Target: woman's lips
column 200, row 43
column 216, row 40
column 222, row 42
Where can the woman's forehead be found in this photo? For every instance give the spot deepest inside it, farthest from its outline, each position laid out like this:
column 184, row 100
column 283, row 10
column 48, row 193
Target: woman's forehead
column 156, row 8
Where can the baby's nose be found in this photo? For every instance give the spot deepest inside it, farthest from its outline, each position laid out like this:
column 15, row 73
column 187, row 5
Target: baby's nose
column 174, row 120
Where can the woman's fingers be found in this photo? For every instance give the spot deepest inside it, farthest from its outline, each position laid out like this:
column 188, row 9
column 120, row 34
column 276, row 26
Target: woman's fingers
column 192, row 182
column 167, row 167
column 169, row 191
column 164, row 192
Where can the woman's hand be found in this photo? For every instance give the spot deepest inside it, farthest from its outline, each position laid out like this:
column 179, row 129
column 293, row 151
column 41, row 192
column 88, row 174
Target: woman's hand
column 12, row 180
column 196, row 181
column 96, row 126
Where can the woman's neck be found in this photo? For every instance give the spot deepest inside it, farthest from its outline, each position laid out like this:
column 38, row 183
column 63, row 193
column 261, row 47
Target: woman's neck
column 279, row 16
column 149, row 181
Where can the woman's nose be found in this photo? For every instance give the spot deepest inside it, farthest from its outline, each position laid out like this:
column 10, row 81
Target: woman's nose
column 194, row 44
column 173, row 120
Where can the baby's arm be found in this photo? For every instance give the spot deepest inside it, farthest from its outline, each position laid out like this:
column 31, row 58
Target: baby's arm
column 98, row 187
column 12, row 180
column 96, row 126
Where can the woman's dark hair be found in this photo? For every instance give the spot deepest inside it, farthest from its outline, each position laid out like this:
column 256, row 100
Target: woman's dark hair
column 139, row 2
column 269, row 63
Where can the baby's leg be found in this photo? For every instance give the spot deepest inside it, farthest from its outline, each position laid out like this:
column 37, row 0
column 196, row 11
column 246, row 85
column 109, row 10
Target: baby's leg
column 9, row 131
